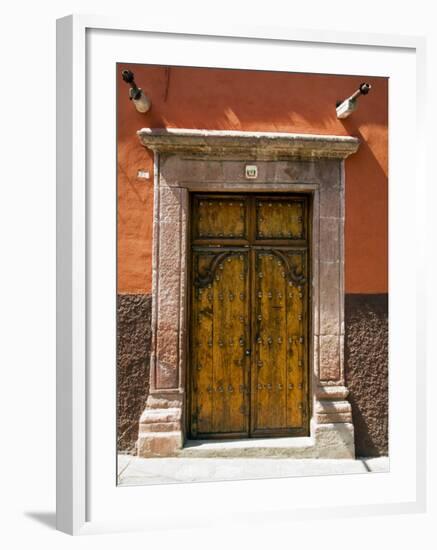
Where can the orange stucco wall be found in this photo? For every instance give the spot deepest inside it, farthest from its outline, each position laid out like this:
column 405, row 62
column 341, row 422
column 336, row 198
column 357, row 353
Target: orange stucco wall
column 222, row 99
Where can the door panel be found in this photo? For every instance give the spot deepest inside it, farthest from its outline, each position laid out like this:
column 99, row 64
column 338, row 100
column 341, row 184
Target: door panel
column 278, row 381
column 220, row 217
column 249, row 316
column 220, row 337
column 277, row 218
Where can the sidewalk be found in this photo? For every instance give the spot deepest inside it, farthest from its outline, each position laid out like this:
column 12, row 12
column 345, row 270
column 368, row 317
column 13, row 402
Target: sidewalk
column 149, row 471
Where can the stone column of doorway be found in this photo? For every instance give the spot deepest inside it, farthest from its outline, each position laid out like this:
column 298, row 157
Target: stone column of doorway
column 161, row 431
column 332, row 424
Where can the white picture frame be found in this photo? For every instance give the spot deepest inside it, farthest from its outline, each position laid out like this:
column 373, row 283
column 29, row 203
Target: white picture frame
column 76, row 312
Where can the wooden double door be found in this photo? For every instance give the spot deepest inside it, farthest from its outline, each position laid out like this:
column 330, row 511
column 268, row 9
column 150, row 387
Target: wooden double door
column 248, row 358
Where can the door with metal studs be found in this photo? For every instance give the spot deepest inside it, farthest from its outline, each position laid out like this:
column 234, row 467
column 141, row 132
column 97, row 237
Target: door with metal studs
column 249, row 296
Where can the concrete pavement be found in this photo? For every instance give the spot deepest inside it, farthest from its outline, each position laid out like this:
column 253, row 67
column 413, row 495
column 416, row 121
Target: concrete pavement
column 150, row 471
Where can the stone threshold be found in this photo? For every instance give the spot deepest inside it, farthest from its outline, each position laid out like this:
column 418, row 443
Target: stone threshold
column 272, row 447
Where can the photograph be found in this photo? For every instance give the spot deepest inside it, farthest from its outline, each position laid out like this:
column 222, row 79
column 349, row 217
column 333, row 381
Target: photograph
column 252, row 274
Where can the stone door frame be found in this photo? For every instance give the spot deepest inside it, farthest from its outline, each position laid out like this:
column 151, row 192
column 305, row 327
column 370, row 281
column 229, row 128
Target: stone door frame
column 213, row 161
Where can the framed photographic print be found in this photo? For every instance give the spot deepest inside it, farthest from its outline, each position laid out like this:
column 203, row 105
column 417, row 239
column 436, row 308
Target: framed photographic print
column 236, row 307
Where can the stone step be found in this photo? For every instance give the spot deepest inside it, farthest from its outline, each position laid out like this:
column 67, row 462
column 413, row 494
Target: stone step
column 280, row 447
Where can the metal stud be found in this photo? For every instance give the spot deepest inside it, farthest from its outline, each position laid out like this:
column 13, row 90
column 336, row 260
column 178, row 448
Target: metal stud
column 259, row 317
column 242, row 296
column 270, row 295
column 241, row 341
column 300, row 363
column 299, row 317
column 230, row 388
column 259, row 364
column 220, row 343
column 231, row 296
column 220, row 389
column 269, row 341
column 280, row 386
column 221, row 266
column 260, row 294
column 259, row 340
column 301, row 340
column 260, row 275
column 210, row 343
column 279, row 340
column 300, row 385
column 290, row 386
column 220, row 296
column 260, row 386
column 209, row 389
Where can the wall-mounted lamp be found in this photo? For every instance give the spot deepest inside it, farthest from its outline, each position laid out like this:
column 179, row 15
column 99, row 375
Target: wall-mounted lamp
column 141, row 101
column 346, row 107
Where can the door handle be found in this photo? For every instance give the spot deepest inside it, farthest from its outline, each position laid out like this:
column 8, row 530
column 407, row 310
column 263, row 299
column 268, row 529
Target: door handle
column 247, row 352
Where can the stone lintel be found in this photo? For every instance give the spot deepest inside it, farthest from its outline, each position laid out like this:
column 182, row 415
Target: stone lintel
column 259, row 145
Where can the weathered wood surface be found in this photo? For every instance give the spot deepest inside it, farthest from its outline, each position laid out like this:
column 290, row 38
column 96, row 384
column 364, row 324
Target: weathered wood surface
column 248, row 368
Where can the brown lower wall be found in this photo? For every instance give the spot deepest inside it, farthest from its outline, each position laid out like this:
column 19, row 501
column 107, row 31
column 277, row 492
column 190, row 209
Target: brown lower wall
column 133, row 358
column 366, row 368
